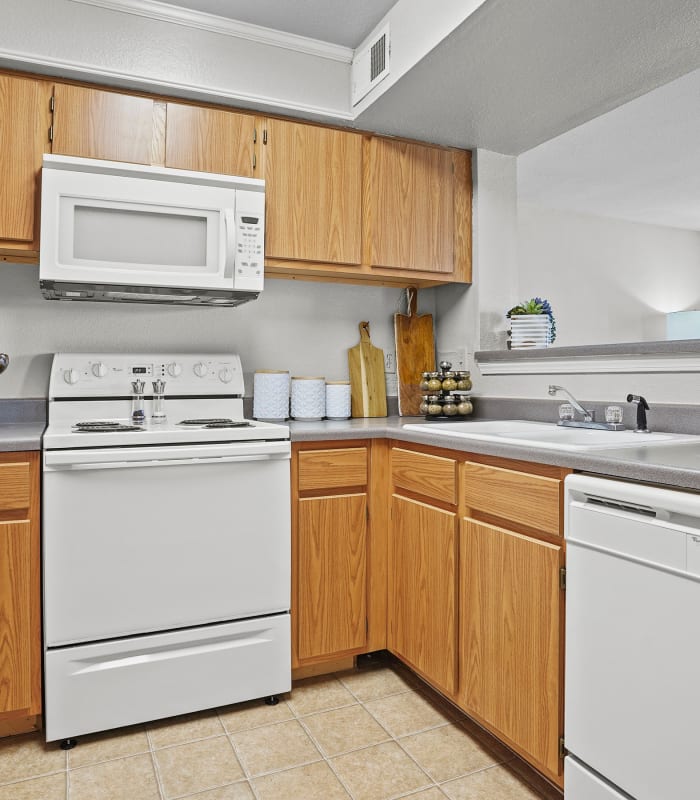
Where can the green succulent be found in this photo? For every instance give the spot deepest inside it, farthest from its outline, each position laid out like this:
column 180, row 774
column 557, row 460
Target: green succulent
column 529, row 307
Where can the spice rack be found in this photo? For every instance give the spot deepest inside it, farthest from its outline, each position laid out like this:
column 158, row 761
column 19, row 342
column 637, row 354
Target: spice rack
column 446, row 394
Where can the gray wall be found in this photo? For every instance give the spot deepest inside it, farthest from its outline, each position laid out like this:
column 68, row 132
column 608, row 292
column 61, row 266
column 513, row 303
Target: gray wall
column 303, row 326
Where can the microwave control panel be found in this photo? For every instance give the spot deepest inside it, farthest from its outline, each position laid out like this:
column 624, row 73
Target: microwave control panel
column 249, row 263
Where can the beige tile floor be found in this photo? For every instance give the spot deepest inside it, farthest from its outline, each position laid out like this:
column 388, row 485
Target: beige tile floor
column 371, row 734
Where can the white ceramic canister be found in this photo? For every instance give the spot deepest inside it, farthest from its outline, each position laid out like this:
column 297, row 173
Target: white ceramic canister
column 308, row 399
column 271, row 395
column 337, row 399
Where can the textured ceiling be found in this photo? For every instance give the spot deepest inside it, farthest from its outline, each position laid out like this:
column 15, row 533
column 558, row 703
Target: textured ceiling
column 516, row 74
column 640, row 162
column 336, row 21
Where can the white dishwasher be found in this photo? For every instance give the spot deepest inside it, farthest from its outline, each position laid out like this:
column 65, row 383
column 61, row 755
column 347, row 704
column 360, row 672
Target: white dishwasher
column 632, row 725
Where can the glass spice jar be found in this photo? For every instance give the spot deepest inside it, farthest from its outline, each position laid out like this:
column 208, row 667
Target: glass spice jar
column 424, row 405
column 425, row 377
column 449, row 407
column 434, row 406
column 434, row 382
column 449, row 384
column 465, row 406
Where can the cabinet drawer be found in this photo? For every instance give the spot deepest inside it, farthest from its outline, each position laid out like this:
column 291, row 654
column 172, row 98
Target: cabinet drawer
column 330, row 469
column 430, row 476
column 532, row 500
column 14, row 486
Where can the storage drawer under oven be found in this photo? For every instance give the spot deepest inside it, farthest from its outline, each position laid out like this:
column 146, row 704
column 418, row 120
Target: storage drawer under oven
column 105, row 685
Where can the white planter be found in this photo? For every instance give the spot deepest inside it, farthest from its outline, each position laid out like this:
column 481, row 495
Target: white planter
column 530, row 331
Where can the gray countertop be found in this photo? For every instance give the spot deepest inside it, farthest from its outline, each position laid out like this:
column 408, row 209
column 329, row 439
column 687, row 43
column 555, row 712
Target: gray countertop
column 21, row 436
column 22, row 423
column 670, row 465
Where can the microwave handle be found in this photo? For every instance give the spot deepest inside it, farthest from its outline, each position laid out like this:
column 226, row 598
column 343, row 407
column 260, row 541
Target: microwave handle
column 230, row 254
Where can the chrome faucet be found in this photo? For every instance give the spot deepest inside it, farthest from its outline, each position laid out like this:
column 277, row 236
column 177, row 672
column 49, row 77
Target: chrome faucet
column 587, row 415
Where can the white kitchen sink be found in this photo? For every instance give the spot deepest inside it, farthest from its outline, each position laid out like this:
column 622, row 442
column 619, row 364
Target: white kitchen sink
column 547, row 434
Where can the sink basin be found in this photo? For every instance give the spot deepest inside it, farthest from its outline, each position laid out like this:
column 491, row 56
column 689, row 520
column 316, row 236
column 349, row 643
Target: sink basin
column 547, row 434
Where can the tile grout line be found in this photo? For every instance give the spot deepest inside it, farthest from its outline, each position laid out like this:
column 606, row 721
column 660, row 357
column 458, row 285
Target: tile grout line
column 156, row 766
column 241, row 761
column 326, row 759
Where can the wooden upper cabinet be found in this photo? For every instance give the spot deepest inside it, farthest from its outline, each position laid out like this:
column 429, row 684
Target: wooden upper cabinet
column 209, row 140
column 24, row 136
column 409, row 206
column 313, row 191
column 98, row 124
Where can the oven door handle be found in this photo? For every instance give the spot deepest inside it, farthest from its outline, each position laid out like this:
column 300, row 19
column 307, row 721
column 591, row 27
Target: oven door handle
column 123, row 457
column 164, row 462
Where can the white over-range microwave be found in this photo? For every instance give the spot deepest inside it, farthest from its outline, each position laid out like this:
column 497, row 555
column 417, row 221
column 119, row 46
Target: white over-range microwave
column 127, row 232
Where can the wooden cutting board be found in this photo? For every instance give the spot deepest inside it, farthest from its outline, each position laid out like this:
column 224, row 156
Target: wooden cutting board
column 415, row 354
column 367, row 384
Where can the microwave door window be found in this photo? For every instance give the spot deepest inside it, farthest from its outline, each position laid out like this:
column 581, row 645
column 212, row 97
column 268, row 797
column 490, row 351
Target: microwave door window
column 140, row 239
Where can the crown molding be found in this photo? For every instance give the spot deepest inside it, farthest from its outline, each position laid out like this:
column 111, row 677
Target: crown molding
column 14, row 59
column 153, row 9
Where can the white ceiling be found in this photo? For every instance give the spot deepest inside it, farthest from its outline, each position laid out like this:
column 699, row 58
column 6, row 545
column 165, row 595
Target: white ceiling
column 639, row 162
column 337, row 21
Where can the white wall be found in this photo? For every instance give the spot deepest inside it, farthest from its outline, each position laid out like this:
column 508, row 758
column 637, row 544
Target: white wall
column 474, row 316
column 97, row 44
column 303, row 326
column 608, row 280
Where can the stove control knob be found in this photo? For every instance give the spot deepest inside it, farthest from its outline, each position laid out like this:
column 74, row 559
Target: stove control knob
column 200, row 369
column 99, row 370
column 71, row 376
column 225, row 375
column 174, row 369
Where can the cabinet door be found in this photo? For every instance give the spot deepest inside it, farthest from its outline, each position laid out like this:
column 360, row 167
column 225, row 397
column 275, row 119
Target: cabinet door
column 409, row 206
column 17, row 598
column 313, row 182
column 510, row 637
column 97, row 124
column 209, row 140
column 331, row 580
column 422, row 590
column 24, row 135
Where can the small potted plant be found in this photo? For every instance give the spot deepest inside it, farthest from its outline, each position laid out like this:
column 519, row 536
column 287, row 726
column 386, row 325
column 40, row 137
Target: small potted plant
column 531, row 324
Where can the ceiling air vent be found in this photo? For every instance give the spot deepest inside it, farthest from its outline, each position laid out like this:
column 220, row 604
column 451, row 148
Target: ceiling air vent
column 370, row 65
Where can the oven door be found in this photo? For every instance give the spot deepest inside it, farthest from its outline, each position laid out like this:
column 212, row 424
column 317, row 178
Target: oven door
column 145, row 539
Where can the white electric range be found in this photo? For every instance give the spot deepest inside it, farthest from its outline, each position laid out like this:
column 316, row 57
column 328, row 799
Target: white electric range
column 166, row 546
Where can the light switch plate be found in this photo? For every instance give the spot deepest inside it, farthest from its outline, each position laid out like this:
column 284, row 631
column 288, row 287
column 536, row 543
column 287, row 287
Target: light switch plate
column 456, row 356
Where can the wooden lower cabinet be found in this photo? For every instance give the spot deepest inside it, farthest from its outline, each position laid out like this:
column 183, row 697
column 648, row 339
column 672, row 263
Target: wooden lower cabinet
column 332, row 541
column 339, row 541
column 20, row 599
column 422, row 626
column 511, row 627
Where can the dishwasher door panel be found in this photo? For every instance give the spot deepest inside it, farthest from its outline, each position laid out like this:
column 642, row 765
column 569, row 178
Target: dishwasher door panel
column 581, row 784
column 632, row 653
column 151, row 547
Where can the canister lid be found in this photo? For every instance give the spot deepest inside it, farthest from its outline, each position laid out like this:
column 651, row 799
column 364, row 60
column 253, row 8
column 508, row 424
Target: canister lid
column 272, row 372
column 306, row 378
column 337, row 383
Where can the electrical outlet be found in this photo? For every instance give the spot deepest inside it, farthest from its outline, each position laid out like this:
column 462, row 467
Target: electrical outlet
column 392, row 384
column 390, row 363
column 457, row 357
